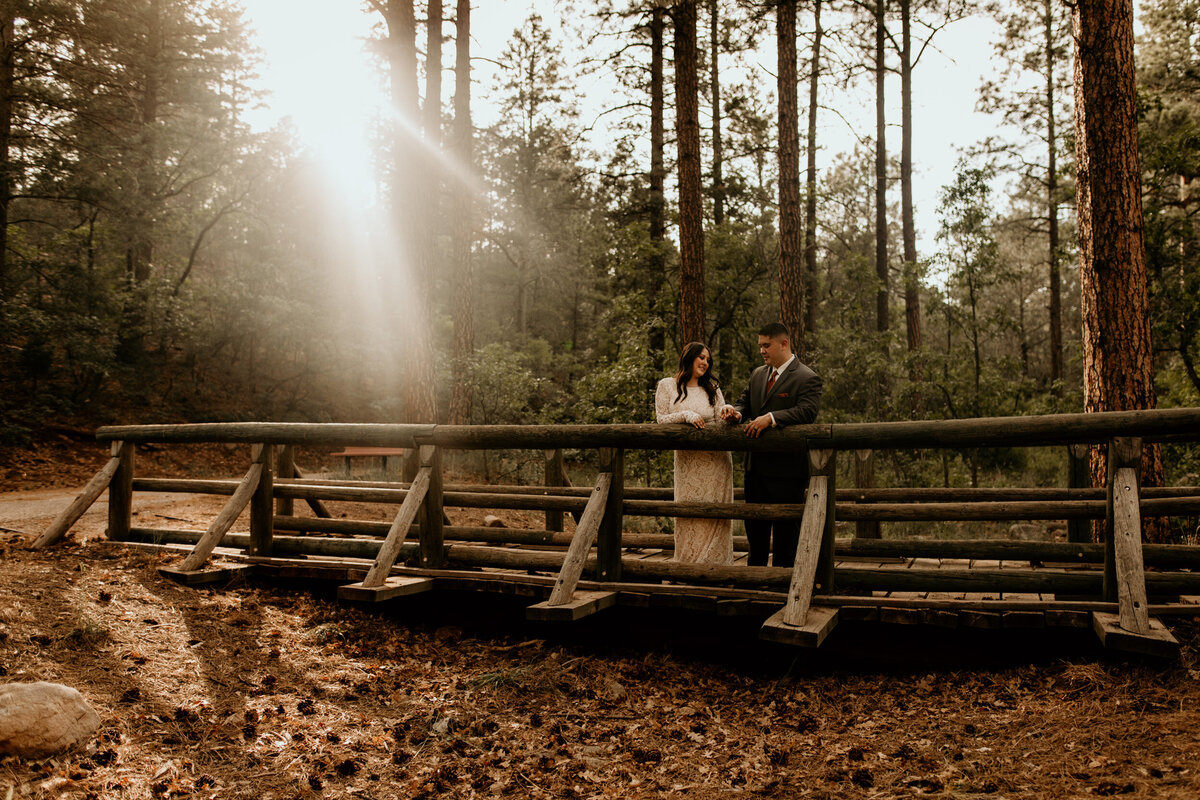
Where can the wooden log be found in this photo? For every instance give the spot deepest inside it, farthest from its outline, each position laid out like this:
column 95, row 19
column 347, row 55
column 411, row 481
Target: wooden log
column 1050, row 429
column 864, row 478
column 582, row 604
column 120, row 493
column 1127, row 534
column 1043, row 581
column 612, row 524
column 432, row 514
column 581, row 543
column 389, row 589
column 317, row 506
column 553, row 477
column 224, row 521
column 223, row 486
column 911, row 494
column 262, row 514
column 82, row 502
column 205, row 577
column 294, row 546
column 286, row 470
column 296, row 433
column 819, row 621
column 528, row 498
column 1079, row 477
column 1157, row 641
column 390, row 548
column 1122, row 452
column 824, row 463
column 808, row 553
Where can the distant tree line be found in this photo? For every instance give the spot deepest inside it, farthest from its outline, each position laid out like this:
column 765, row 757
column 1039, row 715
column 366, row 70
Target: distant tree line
column 161, row 260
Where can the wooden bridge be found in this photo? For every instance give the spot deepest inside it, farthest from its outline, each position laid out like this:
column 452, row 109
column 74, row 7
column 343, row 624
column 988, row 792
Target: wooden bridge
column 1120, row 588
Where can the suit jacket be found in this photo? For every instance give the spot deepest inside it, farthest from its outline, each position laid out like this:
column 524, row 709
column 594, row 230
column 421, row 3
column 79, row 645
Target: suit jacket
column 794, row 400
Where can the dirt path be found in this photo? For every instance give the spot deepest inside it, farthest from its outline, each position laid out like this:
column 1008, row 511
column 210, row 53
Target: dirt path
column 30, row 512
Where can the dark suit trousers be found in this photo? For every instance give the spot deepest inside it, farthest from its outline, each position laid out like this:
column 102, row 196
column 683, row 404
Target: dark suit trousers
column 773, row 489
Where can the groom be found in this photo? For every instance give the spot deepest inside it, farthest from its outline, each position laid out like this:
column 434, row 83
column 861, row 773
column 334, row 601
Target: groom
column 781, row 392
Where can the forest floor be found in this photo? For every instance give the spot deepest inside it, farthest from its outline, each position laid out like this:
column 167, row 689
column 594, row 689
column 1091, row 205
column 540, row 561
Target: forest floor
column 266, row 691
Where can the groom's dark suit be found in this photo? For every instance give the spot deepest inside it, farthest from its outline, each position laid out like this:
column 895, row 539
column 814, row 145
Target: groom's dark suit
column 778, row 477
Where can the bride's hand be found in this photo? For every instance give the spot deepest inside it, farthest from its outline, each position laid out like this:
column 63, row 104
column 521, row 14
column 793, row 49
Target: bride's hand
column 696, row 420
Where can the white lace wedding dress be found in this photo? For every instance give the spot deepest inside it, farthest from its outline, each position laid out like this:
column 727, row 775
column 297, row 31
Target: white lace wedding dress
column 700, row 476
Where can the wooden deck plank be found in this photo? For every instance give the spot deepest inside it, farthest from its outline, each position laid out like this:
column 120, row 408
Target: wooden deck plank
column 392, row 587
column 1158, row 642
column 819, row 621
column 583, row 603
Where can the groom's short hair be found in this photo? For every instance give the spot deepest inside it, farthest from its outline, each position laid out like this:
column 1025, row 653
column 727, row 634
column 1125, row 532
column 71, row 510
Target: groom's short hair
column 774, row 329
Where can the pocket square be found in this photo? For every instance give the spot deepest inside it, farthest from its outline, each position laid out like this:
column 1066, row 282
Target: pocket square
column 783, row 394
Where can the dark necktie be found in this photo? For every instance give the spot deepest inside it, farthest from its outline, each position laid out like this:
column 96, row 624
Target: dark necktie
column 771, row 381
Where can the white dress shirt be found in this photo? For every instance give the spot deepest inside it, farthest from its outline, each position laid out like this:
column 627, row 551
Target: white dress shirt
column 779, row 371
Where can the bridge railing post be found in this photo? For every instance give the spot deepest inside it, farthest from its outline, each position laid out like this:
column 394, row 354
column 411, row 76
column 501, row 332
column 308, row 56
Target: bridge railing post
column 262, row 516
column 286, row 466
column 864, row 478
column 432, row 520
column 608, row 544
column 120, row 493
column 824, row 463
column 553, row 477
column 1078, row 477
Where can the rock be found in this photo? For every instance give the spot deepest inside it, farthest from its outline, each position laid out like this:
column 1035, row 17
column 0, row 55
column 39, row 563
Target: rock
column 1027, row 533
column 448, row 634
column 492, row 521
column 38, row 720
column 614, row 692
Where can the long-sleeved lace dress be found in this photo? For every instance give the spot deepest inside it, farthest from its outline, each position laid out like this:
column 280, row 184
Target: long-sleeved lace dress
column 700, row 476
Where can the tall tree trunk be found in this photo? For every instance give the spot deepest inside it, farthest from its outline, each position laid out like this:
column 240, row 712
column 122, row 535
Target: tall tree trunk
column 1117, row 358
column 810, row 189
column 881, row 233
column 406, row 200
column 7, row 85
column 791, row 286
column 420, row 377
column 1056, row 340
column 463, row 221
column 139, row 252
column 912, row 291
column 691, row 201
column 718, row 182
column 658, row 201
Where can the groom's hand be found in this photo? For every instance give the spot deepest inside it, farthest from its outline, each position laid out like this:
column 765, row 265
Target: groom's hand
column 758, row 425
column 729, row 412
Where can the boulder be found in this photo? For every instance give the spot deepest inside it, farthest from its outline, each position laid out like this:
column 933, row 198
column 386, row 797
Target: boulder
column 492, row 521
column 38, row 720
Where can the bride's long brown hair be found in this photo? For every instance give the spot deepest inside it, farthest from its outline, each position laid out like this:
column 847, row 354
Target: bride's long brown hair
column 707, row 381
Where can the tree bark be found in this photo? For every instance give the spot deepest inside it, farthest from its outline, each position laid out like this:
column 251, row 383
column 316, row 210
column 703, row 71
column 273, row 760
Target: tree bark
column 1055, row 282
column 791, row 286
column 463, row 220
column 1117, row 357
column 691, row 202
column 912, row 291
column 881, row 265
column 139, row 252
column 718, row 183
column 810, row 199
column 7, row 85
column 658, row 201
column 412, row 270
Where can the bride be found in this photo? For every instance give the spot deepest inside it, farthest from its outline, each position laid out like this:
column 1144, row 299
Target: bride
column 693, row 397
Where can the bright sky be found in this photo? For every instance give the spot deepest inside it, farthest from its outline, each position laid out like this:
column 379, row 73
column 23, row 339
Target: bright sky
column 319, row 72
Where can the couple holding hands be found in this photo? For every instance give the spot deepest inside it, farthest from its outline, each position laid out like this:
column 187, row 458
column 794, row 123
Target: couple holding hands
column 781, row 392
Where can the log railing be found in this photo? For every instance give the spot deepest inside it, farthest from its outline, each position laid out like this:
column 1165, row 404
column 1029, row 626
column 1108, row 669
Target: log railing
column 1121, row 504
